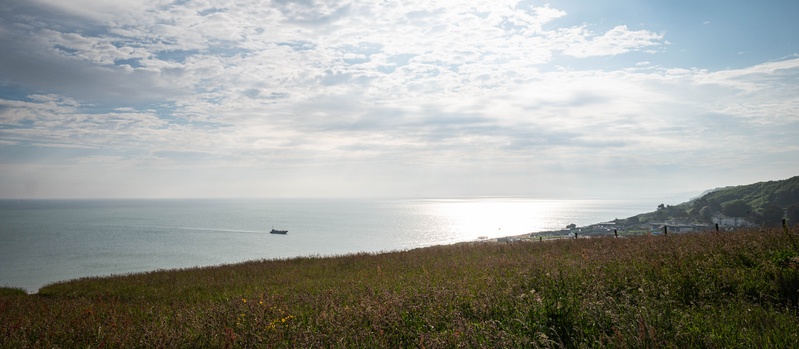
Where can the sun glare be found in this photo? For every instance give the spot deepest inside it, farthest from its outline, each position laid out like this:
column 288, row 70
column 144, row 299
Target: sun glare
column 491, row 218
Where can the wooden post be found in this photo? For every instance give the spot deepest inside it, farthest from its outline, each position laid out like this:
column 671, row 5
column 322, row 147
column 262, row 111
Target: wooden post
column 666, row 230
column 615, row 233
column 717, row 227
column 575, row 235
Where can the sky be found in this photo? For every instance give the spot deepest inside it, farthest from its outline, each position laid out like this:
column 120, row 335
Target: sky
column 347, row 98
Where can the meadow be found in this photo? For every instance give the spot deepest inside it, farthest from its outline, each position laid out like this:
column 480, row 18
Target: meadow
column 708, row 290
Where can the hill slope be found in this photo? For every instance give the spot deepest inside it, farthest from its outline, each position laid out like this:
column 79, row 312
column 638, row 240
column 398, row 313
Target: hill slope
column 763, row 203
column 758, row 195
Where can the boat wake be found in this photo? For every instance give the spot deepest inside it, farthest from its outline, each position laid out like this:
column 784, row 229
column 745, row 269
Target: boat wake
column 203, row 229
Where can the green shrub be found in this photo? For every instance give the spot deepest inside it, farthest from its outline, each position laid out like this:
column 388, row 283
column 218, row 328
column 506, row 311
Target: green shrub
column 12, row 291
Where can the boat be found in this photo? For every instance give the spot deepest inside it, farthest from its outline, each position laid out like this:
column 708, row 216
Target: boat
column 282, row 232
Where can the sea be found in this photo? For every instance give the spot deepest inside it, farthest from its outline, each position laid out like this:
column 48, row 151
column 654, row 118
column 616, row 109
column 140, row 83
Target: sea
column 47, row 241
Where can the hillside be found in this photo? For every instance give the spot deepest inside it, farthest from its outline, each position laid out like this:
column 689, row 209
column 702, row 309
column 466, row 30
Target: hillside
column 759, row 195
column 762, row 203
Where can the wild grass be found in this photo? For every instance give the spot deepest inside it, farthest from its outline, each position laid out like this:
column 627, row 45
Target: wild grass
column 12, row 291
column 713, row 290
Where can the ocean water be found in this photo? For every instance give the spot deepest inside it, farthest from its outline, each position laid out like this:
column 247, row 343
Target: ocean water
column 46, row 241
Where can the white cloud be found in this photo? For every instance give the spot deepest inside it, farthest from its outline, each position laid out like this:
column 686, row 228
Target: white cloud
column 763, row 93
column 453, row 46
column 616, row 41
column 393, row 90
column 755, row 78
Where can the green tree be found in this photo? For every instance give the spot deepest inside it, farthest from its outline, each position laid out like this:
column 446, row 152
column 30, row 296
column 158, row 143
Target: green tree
column 660, row 213
column 771, row 215
column 715, row 205
column 698, row 204
column 737, row 208
column 792, row 213
column 706, row 214
column 677, row 212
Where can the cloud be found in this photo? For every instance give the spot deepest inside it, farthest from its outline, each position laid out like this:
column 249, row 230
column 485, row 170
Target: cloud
column 756, row 78
column 443, row 46
column 40, row 69
column 289, row 89
column 616, row 41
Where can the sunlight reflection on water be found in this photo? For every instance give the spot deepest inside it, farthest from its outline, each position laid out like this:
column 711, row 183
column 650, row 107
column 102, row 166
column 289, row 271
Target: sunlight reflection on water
column 494, row 218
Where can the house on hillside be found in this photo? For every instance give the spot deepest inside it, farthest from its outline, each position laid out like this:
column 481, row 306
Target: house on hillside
column 657, row 228
column 730, row 222
column 686, row 228
column 605, row 225
column 599, row 228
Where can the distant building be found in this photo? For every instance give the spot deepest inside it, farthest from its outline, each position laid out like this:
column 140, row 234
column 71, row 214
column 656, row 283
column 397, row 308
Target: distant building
column 686, row 228
column 729, row 222
column 605, row 225
column 657, row 228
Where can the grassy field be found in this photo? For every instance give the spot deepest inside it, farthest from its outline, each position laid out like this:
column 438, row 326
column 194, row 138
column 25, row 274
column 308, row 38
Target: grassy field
column 715, row 290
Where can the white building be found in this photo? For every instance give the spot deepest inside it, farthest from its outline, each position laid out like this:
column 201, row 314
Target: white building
column 723, row 221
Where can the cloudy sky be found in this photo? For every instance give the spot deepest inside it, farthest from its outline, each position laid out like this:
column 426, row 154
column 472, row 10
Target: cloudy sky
column 350, row 98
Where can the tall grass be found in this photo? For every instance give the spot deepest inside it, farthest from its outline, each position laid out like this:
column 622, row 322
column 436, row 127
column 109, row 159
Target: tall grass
column 730, row 290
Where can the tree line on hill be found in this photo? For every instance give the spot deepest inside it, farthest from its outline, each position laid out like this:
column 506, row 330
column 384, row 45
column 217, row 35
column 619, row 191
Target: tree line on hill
column 762, row 204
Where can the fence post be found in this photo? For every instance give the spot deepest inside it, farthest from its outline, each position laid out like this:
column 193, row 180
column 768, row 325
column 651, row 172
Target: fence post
column 575, row 235
column 615, row 233
column 665, row 230
column 717, row 227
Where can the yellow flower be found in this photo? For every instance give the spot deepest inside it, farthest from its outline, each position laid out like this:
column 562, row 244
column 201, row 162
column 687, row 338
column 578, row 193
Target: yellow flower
column 244, row 300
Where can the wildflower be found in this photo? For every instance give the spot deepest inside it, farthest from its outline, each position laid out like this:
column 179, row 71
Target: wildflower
column 244, row 300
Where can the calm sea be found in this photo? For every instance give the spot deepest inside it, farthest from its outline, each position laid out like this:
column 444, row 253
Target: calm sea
column 45, row 241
